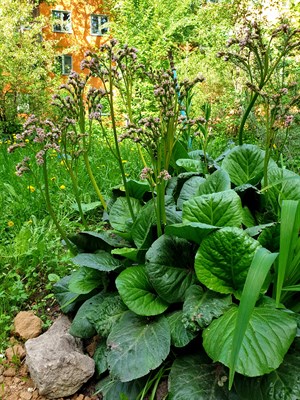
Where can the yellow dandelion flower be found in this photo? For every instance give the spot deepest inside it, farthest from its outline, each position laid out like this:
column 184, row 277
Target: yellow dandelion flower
column 31, row 188
column 62, row 187
column 62, row 163
column 274, row 145
column 27, row 140
column 10, row 224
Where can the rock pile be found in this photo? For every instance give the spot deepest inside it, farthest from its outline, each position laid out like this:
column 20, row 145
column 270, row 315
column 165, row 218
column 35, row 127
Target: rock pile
column 69, row 368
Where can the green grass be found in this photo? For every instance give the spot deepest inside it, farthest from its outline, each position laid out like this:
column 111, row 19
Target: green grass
column 30, row 247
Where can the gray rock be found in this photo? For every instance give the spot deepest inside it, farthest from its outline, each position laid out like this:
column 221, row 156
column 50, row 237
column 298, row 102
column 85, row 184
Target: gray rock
column 56, row 361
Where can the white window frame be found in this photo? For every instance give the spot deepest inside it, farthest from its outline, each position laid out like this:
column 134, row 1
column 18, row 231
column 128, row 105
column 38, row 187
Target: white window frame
column 66, row 25
column 100, row 24
column 63, row 64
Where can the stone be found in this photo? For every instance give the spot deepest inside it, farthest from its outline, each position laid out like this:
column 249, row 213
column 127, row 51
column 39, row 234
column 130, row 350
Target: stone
column 9, row 372
column 80, row 397
column 17, row 351
column 27, row 325
column 56, row 362
column 25, row 396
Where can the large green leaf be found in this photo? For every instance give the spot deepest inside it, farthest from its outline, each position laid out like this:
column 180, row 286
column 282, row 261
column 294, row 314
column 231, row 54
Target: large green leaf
column 217, row 209
column 141, row 230
column 81, row 326
column 223, row 260
column 137, row 346
column 119, row 215
column 257, row 274
column 102, row 261
column 180, row 335
column 85, row 280
column 135, row 189
column 170, row 268
column 194, row 231
column 189, row 189
column 219, row 181
column 193, row 378
column 190, row 165
column 173, row 216
column 268, row 337
column 107, row 314
column 100, row 357
column 245, row 164
column 282, row 185
column 131, row 253
column 66, row 299
column 178, row 151
column 112, row 389
column 281, row 384
column 200, row 308
column 89, row 241
column 138, row 293
column 289, row 256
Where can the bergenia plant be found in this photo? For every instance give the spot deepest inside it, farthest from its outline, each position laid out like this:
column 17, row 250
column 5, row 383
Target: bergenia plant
column 39, row 137
column 78, row 130
column 262, row 55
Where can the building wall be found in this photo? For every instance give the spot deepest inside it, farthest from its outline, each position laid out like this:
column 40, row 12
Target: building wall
column 80, row 38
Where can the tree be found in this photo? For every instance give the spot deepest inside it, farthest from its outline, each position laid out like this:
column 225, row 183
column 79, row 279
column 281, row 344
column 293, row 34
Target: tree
column 25, row 63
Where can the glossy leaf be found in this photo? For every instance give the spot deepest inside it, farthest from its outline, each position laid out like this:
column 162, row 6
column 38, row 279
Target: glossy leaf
column 193, row 231
column 190, row 165
column 194, row 378
column 81, row 326
column 282, row 185
column 217, row 209
column 127, row 252
column 289, row 254
column 257, row 274
column 100, row 357
column 137, row 346
column 119, row 215
column 138, row 293
column 189, row 189
column 180, row 335
column 136, row 189
column 101, row 261
column 107, row 314
column 66, row 299
column 245, row 164
column 89, row 241
column 200, row 308
column 281, row 384
column 219, row 181
column 85, row 280
column 141, row 229
column 223, row 260
column 268, row 337
column 169, row 265
column 113, row 389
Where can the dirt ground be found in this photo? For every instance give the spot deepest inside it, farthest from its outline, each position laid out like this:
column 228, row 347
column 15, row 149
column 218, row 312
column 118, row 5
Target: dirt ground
column 15, row 384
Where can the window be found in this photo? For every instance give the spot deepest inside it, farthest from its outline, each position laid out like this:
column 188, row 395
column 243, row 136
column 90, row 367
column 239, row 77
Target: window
column 65, row 64
column 98, row 24
column 61, row 21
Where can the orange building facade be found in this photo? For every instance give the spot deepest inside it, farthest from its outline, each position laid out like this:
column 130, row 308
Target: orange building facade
column 75, row 26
